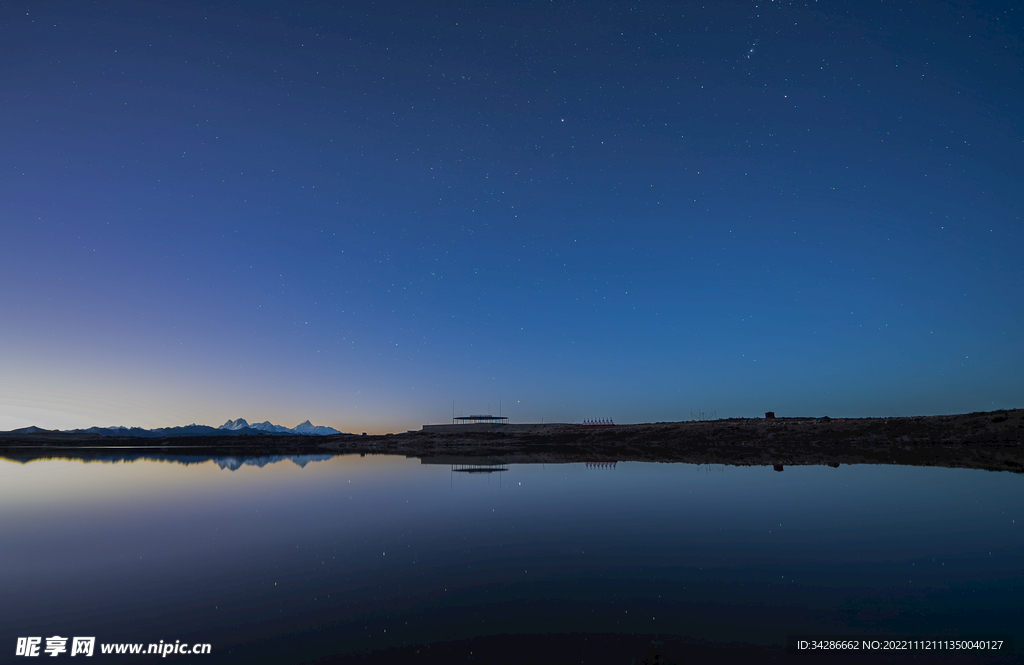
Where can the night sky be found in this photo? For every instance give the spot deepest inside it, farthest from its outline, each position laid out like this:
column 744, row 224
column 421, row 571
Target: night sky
column 359, row 213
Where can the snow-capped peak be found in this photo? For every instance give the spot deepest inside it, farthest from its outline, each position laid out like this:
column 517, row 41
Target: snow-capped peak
column 267, row 426
column 309, row 428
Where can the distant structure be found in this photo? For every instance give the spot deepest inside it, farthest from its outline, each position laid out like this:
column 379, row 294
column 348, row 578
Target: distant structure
column 480, row 420
column 769, row 415
column 601, row 464
column 488, row 423
column 599, row 422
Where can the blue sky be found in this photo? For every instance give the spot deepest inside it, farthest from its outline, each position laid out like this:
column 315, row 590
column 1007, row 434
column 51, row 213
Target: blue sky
column 361, row 214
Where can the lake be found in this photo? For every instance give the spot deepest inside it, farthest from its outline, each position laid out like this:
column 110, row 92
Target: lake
column 313, row 557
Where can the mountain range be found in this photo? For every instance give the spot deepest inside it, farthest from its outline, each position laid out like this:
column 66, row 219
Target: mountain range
column 267, row 426
column 232, row 427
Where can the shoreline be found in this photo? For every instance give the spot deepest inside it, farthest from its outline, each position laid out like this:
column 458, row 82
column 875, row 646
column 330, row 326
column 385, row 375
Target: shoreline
column 982, row 440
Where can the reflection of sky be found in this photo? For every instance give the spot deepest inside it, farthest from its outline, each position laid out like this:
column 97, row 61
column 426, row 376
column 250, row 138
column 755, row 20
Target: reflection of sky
column 155, row 551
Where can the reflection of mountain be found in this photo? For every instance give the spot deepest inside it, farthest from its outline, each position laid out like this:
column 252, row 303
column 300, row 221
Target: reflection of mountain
column 235, row 463
column 232, row 463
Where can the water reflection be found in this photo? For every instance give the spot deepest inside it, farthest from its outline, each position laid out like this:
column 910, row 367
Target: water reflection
column 292, row 562
column 478, row 468
column 232, row 463
column 235, row 463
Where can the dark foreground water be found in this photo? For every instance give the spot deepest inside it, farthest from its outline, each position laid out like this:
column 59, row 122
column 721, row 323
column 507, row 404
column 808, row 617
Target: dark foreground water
column 305, row 559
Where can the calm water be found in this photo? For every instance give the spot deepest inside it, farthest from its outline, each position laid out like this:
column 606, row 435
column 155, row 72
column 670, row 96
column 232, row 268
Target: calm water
column 293, row 560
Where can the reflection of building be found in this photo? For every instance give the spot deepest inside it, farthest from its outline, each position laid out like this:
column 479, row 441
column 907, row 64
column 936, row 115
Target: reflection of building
column 480, row 420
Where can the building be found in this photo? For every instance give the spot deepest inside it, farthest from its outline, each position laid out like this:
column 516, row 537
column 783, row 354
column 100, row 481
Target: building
column 480, row 420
